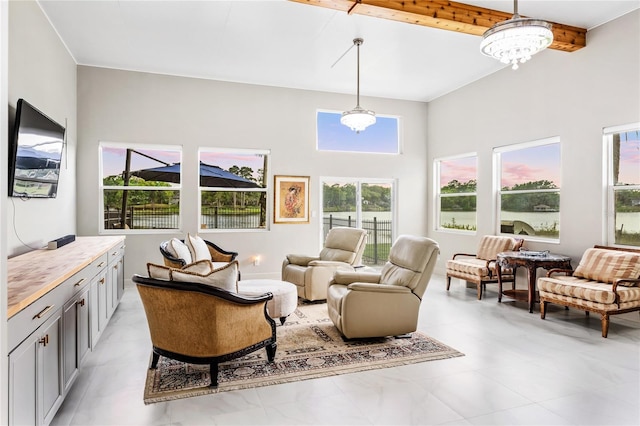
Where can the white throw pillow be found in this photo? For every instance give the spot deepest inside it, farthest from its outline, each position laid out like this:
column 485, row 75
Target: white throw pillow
column 159, row 272
column 225, row 278
column 162, row 272
column 181, row 250
column 198, row 248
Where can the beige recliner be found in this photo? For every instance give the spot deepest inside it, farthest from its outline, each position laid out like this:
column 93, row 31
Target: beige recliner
column 368, row 304
column 342, row 250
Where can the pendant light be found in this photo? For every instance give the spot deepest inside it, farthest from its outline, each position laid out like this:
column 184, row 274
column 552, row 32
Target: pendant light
column 358, row 118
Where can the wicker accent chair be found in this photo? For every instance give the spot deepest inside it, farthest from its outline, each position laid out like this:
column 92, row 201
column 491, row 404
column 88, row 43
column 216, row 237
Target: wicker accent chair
column 480, row 268
column 202, row 324
column 218, row 254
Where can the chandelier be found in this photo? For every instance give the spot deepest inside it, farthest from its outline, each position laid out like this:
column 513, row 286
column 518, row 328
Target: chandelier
column 358, row 118
column 516, row 39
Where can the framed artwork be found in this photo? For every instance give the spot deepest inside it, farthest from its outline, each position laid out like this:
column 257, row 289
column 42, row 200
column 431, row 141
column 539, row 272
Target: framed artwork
column 291, row 203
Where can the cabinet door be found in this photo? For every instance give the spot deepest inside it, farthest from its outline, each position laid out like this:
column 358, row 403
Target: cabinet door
column 103, row 302
column 69, row 343
column 22, row 382
column 75, row 336
column 84, row 330
column 49, row 369
column 97, row 307
column 120, row 278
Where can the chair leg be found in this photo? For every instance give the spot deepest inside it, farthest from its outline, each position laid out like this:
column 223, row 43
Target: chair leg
column 605, row 325
column 282, row 320
column 271, row 351
column 479, row 291
column 154, row 361
column 448, row 282
column 213, row 371
column 543, row 308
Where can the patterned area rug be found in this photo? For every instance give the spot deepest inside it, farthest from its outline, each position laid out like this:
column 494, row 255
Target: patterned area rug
column 309, row 347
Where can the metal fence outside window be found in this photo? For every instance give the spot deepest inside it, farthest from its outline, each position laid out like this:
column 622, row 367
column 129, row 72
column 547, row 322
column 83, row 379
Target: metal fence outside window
column 379, row 237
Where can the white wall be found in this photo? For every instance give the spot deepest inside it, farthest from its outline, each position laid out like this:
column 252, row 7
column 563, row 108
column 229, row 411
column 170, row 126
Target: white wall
column 570, row 95
column 4, row 358
column 124, row 106
column 43, row 72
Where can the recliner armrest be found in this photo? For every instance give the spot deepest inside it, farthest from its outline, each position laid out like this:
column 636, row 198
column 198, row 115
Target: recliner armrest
column 301, row 259
column 348, row 277
column 332, row 263
column 378, row 288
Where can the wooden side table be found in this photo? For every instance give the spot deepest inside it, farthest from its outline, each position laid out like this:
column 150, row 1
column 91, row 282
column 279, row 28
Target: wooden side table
column 532, row 262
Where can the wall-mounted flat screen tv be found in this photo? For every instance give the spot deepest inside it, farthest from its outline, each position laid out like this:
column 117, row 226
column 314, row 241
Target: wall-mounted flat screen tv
column 35, row 154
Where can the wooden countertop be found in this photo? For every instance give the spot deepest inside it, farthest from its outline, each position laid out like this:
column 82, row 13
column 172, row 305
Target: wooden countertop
column 33, row 274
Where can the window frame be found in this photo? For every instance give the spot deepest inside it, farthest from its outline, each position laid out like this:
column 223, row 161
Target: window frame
column 438, row 194
column 497, row 185
column 101, row 187
column 363, row 133
column 358, row 182
column 267, row 190
column 608, row 184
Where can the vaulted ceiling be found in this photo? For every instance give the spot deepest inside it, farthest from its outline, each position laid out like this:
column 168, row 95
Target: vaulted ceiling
column 300, row 44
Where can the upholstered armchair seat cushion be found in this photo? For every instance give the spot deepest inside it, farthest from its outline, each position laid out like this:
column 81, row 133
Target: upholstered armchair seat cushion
column 476, row 267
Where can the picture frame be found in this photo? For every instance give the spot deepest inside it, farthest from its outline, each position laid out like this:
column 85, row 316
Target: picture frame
column 291, row 199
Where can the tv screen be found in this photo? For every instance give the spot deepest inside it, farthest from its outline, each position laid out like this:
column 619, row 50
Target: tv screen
column 35, row 154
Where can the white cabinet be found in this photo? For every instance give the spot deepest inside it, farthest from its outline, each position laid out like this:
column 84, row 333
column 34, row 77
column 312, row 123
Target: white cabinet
column 59, row 304
column 35, row 379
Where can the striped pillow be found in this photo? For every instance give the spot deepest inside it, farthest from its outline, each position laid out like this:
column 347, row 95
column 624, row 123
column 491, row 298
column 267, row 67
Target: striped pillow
column 491, row 245
column 608, row 265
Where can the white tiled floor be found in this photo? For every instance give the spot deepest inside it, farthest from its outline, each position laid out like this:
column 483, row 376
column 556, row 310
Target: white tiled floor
column 518, row 370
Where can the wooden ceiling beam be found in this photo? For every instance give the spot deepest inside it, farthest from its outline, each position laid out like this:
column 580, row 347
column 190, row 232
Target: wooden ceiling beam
column 448, row 15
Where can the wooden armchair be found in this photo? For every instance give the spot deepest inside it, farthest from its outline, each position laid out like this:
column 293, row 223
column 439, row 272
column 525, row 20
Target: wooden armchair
column 480, row 267
column 202, row 324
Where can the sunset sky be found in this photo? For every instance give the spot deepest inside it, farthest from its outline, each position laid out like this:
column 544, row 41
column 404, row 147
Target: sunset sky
column 381, row 137
column 113, row 160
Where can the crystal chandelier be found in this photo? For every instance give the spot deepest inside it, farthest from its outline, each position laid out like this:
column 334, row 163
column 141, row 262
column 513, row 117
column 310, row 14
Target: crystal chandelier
column 516, row 39
column 358, row 118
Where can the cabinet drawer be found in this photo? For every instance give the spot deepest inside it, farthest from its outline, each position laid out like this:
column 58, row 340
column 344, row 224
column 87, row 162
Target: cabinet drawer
column 115, row 252
column 25, row 322
column 97, row 265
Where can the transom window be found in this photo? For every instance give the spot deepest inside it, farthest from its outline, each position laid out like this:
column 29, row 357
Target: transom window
column 455, row 179
column 380, row 138
column 140, row 186
column 623, row 184
column 233, row 189
column 528, row 182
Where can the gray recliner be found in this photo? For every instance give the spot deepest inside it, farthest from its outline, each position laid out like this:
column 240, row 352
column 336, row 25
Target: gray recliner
column 386, row 303
column 343, row 249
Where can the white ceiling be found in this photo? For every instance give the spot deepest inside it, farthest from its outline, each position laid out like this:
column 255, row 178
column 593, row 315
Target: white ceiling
column 286, row 44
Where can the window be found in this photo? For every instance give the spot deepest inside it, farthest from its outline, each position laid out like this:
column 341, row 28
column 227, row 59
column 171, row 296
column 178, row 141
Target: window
column 233, row 189
column 381, row 138
column 140, row 186
column 366, row 204
column 456, row 192
column 623, row 184
column 528, row 178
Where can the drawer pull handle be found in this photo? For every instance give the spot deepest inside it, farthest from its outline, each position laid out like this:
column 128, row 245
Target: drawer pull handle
column 44, row 341
column 100, row 265
column 79, row 282
column 101, row 280
column 114, row 253
column 43, row 312
column 80, row 302
column 115, row 266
